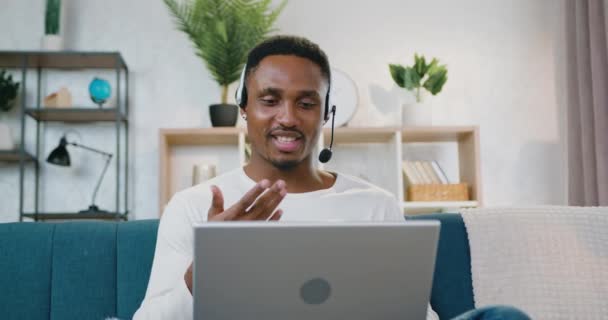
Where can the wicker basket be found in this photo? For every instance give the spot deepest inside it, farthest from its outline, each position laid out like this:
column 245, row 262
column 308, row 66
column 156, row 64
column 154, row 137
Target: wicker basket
column 438, row 192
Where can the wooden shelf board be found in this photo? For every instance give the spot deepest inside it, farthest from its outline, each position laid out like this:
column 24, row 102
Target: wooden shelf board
column 438, row 204
column 15, row 156
column 201, row 136
column 360, row 135
column 62, row 59
column 74, row 216
column 75, row 114
column 434, row 134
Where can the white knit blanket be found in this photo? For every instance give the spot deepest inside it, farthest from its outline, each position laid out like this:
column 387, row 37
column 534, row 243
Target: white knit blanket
column 551, row 262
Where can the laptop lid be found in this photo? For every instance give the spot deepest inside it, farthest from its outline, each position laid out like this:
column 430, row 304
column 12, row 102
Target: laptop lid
column 289, row 270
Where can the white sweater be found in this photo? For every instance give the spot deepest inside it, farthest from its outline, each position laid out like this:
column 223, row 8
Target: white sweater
column 167, row 297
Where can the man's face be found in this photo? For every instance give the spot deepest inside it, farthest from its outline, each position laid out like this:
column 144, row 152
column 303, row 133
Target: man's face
column 285, row 105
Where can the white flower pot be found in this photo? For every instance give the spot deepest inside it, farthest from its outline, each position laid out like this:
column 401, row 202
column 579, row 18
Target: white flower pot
column 52, row 42
column 6, row 138
column 417, row 114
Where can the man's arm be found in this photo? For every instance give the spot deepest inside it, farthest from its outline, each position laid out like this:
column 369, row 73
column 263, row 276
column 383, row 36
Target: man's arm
column 167, row 296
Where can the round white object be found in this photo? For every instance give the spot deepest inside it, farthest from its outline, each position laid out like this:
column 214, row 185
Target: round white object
column 344, row 96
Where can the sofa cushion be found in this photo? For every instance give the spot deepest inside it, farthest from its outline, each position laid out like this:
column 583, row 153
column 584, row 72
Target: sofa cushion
column 452, row 292
column 136, row 241
column 84, row 271
column 25, row 270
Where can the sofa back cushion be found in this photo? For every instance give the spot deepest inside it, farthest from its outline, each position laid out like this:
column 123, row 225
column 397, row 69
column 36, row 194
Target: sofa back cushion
column 25, row 270
column 136, row 241
column 452, row 292
column 75, row 270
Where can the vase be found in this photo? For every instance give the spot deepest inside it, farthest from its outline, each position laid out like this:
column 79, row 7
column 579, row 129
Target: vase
column 416, row 114
column 52, row 42
column 202, row 172
column 6, row 138
column 223, row 115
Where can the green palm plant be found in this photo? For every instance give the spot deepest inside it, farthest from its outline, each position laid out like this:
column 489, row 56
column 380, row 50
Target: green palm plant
column 413, row 78
column 223, row 32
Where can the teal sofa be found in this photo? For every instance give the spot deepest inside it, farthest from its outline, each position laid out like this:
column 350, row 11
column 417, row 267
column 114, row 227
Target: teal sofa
column 94, row 270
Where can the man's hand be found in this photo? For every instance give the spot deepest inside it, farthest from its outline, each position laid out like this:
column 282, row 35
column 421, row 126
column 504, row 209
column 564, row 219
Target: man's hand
column 247, row 208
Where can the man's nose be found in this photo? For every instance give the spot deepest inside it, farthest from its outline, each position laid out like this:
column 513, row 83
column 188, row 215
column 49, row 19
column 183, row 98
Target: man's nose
column 287, row 115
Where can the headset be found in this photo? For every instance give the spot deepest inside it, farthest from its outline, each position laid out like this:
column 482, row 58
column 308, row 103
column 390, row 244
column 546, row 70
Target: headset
column 325, row 154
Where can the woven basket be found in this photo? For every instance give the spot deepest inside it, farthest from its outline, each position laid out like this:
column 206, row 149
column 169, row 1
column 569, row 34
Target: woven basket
column 438, row 192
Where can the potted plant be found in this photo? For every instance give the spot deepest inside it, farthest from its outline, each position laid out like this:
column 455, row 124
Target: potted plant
column 430, row 77
column 8, row 95
column 51, row 39
column 222, row 33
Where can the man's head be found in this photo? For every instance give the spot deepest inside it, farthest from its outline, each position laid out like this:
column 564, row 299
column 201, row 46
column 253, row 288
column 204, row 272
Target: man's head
column 284, row 97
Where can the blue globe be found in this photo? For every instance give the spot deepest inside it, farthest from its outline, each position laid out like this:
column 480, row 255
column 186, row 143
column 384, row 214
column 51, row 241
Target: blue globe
column 99, row 90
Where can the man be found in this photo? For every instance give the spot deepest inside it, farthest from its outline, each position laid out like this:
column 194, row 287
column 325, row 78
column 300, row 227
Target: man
column 284, row 102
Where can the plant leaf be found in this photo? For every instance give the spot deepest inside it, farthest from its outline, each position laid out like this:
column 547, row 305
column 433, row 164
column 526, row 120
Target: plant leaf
column 411, row 78
column 436, row 80
column 420, row 65
column 397, row 73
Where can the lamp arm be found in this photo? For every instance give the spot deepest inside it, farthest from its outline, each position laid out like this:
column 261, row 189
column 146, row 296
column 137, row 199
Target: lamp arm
column 90, row 149
column 103, row 173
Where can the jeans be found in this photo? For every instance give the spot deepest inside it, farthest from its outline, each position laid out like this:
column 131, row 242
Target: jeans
column 493, row 313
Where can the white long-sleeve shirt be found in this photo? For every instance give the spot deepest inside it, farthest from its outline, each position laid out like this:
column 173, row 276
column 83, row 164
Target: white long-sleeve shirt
column 167, row 297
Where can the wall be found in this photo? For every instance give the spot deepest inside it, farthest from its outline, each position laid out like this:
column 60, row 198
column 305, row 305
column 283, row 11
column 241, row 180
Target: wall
column 504, row 60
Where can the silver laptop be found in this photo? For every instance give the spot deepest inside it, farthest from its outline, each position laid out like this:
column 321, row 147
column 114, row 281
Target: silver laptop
column 290, row 270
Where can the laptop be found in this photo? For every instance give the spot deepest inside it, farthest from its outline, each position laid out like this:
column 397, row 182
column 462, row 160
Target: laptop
column 293, row 270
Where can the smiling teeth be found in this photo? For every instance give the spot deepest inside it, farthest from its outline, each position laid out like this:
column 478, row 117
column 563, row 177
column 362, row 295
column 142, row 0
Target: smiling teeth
column 286, row 139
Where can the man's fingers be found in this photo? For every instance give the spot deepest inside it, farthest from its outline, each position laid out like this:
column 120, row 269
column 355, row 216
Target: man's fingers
column 241, row 206
column 217, row 202
column 276, row 216
column 268, row 202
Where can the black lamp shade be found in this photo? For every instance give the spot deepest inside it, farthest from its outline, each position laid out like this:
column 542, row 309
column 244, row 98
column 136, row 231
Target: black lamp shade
column 60, row 156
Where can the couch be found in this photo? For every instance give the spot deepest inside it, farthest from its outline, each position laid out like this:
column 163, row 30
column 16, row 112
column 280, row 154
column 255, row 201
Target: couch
column 94, row 270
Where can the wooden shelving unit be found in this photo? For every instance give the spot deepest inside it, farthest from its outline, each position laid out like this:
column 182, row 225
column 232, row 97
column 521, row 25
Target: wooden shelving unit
column 466, row 137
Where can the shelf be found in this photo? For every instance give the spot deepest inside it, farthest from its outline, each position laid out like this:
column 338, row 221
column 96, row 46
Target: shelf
column 202, row 136
column 360, row 135
column 62, row 59
column 438, row 204
column 75, row 114
column 75, row 216
column 15, row 156
column 436, row 134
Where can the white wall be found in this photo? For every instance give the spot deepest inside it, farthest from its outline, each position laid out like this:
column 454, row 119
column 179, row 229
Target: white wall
column 505, row 74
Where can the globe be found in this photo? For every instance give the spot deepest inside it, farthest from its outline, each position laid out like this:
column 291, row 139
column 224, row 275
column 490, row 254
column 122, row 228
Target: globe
column 99, row 90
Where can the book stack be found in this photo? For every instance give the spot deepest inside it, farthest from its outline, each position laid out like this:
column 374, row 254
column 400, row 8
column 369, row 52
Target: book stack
column 428, row 182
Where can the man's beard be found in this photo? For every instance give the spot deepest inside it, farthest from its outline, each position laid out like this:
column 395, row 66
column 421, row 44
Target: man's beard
column 284, row 165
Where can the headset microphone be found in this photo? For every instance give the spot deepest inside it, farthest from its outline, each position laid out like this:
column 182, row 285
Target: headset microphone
column 326, row 153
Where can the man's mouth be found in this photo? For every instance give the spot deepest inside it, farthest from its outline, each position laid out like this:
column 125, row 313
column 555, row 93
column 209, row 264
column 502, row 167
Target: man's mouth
column 286, row 143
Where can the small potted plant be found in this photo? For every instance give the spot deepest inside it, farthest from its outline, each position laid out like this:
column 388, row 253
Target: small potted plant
column 428, row 76
column 8, row 95
column 222, row 33
column 52, row 40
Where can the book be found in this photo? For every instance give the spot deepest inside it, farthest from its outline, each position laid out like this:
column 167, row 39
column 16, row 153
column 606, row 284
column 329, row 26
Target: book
column 420, row 169
column 430, row 172
column 410, row 173
column 442, row 176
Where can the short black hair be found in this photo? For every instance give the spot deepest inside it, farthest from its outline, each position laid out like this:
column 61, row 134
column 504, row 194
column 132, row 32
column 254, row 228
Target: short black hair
column 287, row 45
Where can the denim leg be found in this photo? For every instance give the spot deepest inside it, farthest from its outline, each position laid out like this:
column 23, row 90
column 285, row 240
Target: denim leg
column 493, row 313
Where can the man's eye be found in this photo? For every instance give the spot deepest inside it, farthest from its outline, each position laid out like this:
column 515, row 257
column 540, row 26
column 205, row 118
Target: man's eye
column 308, row 104
column 268, row 101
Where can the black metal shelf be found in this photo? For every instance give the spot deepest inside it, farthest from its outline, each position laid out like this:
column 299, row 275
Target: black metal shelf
column 76, row 114
column 41, row 62
column 75, row 216
column 15, row 156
